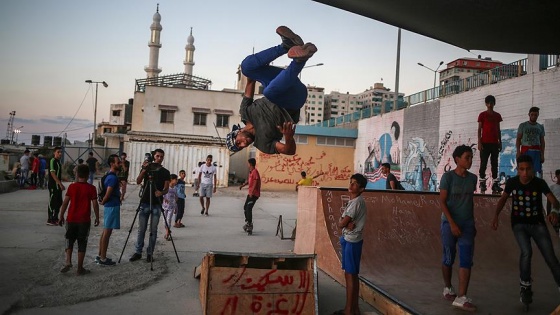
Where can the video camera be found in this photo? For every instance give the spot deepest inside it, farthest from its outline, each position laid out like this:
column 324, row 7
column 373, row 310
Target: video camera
column 149, row 157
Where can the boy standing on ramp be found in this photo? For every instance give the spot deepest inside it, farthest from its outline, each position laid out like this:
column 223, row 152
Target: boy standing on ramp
column 457, row 225
column 274, row 116
column 352, row 223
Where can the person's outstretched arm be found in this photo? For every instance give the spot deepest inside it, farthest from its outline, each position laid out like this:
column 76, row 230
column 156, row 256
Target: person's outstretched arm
column 289, row 147
column 250, row 88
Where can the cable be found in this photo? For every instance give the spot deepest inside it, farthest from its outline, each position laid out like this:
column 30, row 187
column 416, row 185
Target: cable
column 50, row 132
column 63, row 130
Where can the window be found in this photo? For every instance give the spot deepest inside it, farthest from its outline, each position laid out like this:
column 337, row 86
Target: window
column 106, row 130
column 222, row 121
column 167, row 116
column 200, row 119
column 116, row 113
column 167, row 113
column 300, row 139
column 339, row 142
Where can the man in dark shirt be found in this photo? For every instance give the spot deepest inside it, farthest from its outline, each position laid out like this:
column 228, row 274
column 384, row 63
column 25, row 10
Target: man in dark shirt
column 273, row 116
column 392, row 181
column 528, row 221
column 55, row 187
column 92, row 164
column 150, row 203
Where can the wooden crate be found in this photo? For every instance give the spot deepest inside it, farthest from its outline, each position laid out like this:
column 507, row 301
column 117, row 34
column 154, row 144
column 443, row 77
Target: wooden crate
column 243, row 284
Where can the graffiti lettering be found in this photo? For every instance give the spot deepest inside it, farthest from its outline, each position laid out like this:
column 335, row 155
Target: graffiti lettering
column 443, row 144
column 265, row 280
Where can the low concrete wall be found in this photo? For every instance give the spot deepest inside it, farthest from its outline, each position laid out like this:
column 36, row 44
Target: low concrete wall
column 7, row 186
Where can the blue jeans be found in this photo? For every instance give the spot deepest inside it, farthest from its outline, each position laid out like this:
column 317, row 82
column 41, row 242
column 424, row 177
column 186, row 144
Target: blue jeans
column 539, row 233
column 144, row 215
column 90, row 178
column 281, row 86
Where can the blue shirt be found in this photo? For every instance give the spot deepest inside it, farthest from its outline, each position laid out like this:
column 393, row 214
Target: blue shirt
column 181, row 189
column 42, row 165
column 115, row 198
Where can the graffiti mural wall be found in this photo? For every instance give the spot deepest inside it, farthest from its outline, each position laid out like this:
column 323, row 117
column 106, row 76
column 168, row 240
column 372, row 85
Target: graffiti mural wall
column 421, row 149
column 419, row 141
column 380, row 141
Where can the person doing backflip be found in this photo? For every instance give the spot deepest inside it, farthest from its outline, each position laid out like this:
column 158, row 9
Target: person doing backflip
column 489, row 143
column 273, row 116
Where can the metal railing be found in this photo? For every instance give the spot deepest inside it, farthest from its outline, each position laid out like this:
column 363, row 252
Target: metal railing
column 492, row 76
column 180, row 80
column 503, row 72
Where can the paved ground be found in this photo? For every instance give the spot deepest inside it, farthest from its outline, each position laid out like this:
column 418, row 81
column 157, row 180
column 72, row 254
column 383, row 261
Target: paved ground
column 32, row 254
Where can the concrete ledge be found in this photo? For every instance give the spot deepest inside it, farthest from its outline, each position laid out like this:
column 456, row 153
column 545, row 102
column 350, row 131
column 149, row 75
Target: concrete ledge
column 7, row 186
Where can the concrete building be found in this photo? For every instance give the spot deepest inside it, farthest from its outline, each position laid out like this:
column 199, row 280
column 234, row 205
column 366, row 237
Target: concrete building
column 463, row 68
column 376, row 96
column 340, row 104
column 120, row 121
column 181, row 115
column 314, row 109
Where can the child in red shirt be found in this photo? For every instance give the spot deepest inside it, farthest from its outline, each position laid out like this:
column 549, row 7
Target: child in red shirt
column 80, row 195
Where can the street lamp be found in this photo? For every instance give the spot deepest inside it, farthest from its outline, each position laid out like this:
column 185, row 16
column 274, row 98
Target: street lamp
column 316, row 65
column 95, row 108
column 17, row 131
column 435, row 71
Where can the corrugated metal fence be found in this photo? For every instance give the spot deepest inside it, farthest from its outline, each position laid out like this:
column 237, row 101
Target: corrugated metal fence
column 179, row 157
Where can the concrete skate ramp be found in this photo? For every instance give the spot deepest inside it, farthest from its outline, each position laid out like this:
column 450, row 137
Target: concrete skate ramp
column 402, row 251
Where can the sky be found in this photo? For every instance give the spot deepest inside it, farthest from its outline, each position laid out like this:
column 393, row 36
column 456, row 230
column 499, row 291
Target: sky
column 50, row 47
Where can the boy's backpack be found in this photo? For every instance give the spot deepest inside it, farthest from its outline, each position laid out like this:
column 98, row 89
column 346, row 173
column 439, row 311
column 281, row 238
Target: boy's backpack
column 101, row 188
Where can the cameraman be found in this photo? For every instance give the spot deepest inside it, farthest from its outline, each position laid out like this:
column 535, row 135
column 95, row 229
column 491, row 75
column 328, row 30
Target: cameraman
column 160, row 178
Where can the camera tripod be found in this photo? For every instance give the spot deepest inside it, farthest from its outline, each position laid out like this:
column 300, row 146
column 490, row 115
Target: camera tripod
column 149, row 187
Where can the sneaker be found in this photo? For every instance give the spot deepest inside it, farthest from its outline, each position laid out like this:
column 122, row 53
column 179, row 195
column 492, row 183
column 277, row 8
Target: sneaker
column 202, row 211
column 464, row 303
column 526, row 295
column 289, row 38
column 107, row 262
column 302, row 53
column 149, row 258
column 245, row 227
column 496, row 187
column 97, row 259
column 449, row 293
column 50, row 223
column 135, row 257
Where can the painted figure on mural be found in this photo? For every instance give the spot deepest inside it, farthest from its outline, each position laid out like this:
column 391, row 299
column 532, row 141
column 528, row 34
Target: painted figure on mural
column 419, row 167
column 395, row 150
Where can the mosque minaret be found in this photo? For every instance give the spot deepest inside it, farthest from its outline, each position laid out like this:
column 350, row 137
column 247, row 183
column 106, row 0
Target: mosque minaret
column 152, row 69
column 189, row 58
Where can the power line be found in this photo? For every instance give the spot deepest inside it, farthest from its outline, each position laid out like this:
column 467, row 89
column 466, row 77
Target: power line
column 51, row 132
column 82, row 103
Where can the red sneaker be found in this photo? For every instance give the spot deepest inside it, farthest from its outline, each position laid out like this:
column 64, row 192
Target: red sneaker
column 302, row 53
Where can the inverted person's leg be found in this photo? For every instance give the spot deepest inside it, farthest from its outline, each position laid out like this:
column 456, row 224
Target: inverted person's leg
column 257, row 66
column 286, row 90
